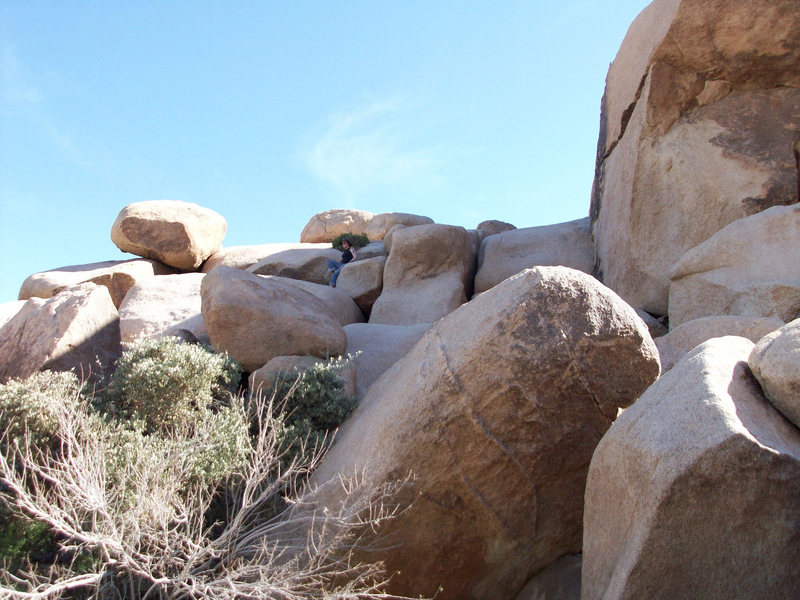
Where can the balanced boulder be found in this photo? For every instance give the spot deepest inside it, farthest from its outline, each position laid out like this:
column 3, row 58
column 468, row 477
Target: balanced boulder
column 428, row 275
column 493, row 227
column 255, row 318
column 325, row 226
column 179, row 234
column 242, row 257
column 379, row 225
column 495, row 412
column 694, row 492
column 509, row 252
column 775, row 362
column 748, row 268
column 698, row 118
column 74, row 330
column 162, row 305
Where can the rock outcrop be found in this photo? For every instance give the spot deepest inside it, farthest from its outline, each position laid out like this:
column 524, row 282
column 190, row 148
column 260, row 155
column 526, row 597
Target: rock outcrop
column 325, row 226
column 309, row 263
column 428, row 275
column 775, row 362
column 362, row 280
column 698, row 118
column 496, row 411
column 700, row 477
column 748, row 268
column 242, row 257
column 74, row 329
column 509, row 252
column 676, row 344
column 117, row 275
column 255, row 319
column 378, row 347
column 160, row 306
column 179, row 234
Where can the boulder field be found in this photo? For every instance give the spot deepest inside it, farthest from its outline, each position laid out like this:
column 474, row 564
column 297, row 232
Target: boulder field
column 552, row 450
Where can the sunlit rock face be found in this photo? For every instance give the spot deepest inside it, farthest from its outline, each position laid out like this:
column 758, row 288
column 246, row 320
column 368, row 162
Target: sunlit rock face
column 698, row 122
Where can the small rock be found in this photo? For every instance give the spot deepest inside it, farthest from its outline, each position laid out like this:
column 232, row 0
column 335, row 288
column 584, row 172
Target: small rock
column 775, row 362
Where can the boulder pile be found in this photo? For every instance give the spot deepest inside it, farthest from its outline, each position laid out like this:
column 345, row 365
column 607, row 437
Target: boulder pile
column 553, row 449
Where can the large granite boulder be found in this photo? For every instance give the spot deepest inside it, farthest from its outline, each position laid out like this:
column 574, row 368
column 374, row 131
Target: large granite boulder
column 161, row 306
column 309, row 263
column 493, row 227
column 328, row 224
column 379, row 225
column 775, row 362
column 676, row 344
column 117, row 275
column 9, row 309
column 377, row 347
column 179, row 234
column 255, row 319
column 340, row 304
column 362, row 280
column 496, row 412
column 748, row 268
column 74, row 330
column 428, row 275
column 242, row 257
column 698, row 118
column 694, row 492
column 509, row 252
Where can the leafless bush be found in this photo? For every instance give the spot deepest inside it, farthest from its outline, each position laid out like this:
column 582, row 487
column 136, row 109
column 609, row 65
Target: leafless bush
column 144, row 530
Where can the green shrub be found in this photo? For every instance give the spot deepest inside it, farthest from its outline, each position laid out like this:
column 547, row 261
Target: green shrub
column 359, row 240
column 33, row 405
column 309, row 406
column 166, row 382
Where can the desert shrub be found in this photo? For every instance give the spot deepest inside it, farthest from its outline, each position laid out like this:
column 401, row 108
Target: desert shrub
column 32, row 405
column 130, row 503
column 165, row 382
column 359, row 240
column 309, row 406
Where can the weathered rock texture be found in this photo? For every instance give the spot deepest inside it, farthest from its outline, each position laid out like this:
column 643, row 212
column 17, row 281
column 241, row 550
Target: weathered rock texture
column 309, row 263
column 242, row 257
column 695, row 490
column 340, row 304
column 9, row 309
column 72, row 330
column 179, row 234
column 496, row 411
column 362, row 280
column 673, row 346
column 748, row 268
column 160, row 306
column 507, row 253
column 428, row 275
column 698, row 118
column 255, row 318
column 117, row 275
column 559, row 581
column 325, row 226
column 379, row 347
column 775, row 362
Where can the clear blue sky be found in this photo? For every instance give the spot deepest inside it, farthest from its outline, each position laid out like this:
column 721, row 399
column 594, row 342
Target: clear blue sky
column 269, row 112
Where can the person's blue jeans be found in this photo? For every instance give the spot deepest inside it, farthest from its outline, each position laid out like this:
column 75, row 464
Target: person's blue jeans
column 336, row 267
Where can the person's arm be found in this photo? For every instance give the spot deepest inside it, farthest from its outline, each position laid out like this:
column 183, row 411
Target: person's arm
column 353, row 252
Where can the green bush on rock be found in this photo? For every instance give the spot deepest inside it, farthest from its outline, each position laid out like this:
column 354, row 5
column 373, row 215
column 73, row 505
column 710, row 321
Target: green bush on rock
column 359, row 240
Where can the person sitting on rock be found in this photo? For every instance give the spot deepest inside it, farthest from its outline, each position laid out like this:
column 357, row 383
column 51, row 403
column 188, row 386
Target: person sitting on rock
column 348, row 254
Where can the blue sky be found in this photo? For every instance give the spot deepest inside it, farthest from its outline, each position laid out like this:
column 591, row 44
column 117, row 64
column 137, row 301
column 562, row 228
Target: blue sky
column 269, row 112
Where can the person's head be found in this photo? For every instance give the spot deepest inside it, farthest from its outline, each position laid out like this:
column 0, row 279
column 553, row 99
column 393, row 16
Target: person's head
column 346, row 244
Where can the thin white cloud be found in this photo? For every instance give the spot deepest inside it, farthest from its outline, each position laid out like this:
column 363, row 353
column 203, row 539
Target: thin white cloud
column 20, row 98
column 380, row 143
